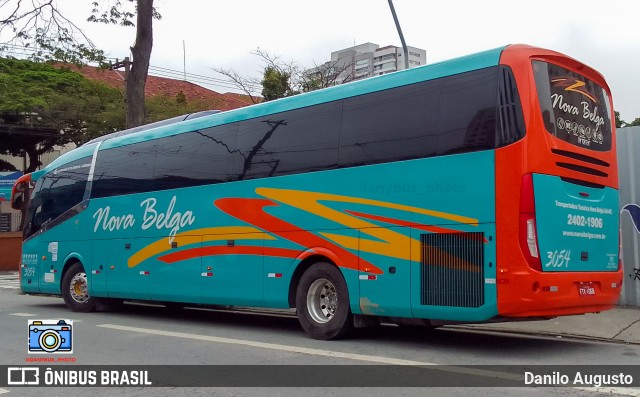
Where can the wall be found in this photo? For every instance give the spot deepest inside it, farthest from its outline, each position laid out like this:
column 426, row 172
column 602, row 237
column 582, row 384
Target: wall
column 10, row 245
column 629, row 166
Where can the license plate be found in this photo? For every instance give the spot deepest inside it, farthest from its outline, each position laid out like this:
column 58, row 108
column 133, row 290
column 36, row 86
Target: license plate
column 586, row 289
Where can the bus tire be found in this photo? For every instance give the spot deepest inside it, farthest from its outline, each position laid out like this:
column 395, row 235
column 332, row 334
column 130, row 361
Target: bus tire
column 75, row 290
column 322, row 302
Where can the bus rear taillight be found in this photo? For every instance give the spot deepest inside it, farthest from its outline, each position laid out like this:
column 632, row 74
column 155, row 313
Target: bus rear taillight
column 528, row 234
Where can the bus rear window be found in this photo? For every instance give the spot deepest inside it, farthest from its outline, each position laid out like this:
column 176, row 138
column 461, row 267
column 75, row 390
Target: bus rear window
column 574, row 108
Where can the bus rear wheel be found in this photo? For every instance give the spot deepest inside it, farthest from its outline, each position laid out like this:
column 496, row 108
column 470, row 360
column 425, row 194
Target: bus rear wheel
column 322, row 302
column 75, row 290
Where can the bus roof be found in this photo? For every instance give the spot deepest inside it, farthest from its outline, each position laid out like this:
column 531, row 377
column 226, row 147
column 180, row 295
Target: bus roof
column 173, row 120
column 404, row 77
column 176, row 126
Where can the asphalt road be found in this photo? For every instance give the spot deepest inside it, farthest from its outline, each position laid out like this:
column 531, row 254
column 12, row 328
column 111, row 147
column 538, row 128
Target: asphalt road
column 140, row 335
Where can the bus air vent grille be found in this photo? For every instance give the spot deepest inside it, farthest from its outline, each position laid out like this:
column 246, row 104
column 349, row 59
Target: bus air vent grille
column 581, row 157
column 452, row 269
column 581, row 169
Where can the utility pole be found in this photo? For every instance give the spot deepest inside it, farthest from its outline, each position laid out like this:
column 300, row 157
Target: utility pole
column 126, row 64
column 404, row 45
column 184, row 60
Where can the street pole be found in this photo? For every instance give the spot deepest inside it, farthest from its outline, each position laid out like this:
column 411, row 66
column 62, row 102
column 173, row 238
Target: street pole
column 126, row 64
column 404, row 45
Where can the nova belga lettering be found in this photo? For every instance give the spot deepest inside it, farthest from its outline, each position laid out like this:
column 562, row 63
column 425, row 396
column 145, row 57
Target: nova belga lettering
column 151, row 217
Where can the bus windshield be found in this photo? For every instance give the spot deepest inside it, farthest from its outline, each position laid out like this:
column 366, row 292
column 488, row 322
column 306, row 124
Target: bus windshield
column 55, row 193
column 574, row 108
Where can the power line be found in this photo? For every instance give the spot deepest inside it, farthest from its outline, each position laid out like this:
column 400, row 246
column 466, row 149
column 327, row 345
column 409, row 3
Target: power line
column 178, row 72
column 166, row 72
column 201, row 81
column 29, row 49
column 156, row 70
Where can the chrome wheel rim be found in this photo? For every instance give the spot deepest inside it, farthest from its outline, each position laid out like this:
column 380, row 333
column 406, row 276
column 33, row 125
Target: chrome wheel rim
column 322, row 301
column 78, row 288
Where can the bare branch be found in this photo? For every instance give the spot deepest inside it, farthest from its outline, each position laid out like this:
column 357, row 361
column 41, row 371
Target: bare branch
column 39, row 25
column 294, row 77
column 247, row 85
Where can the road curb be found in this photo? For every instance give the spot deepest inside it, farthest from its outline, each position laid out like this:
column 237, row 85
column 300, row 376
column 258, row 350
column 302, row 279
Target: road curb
column 543, row 333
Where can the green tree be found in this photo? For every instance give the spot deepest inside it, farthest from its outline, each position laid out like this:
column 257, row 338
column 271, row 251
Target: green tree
column 181, row 99
column 42, row 106
column 634, row 123
column 164, row 107
column 275, row 84
column 39, row 25
column 619, row 122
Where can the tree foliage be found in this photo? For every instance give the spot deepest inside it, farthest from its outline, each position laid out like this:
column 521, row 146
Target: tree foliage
column 164, row 107
column 42, row 106
column 634, row 123
column 621, row 123
column 6, row 166
column 39, row 27
column 276, row 84
column 39, row 30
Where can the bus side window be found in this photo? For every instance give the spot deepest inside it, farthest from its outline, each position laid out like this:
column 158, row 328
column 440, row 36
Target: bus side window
column 37, row 220
column 468, row 112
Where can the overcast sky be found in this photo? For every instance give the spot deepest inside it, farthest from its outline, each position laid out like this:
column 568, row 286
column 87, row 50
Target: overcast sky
column 602, row 34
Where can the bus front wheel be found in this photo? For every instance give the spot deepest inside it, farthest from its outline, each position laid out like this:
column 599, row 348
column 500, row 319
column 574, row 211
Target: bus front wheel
column 75, row 290
column 322, row 302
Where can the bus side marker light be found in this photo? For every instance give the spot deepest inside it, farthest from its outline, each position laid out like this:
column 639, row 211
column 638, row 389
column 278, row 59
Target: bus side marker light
column 368, row 277
column 207, row 274
column 95, row 272
column 44, row 258
column 144, row 273
column 550, row 288
column 274, row 275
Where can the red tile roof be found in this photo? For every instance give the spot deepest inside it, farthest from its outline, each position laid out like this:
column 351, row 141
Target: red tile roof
column 163, row 86
column 244, row 98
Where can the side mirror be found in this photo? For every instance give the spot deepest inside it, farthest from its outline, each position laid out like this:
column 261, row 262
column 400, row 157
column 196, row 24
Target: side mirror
column 17, row 199
column 20, row 192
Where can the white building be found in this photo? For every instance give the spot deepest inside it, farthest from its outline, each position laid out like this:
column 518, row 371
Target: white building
column 366, row 60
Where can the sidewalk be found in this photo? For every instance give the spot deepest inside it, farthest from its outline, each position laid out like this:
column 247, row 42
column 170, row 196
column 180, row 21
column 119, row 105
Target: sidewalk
column 621, row 324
